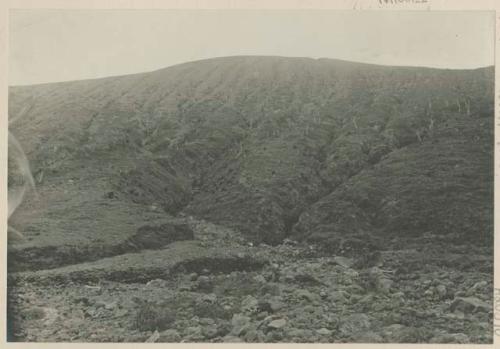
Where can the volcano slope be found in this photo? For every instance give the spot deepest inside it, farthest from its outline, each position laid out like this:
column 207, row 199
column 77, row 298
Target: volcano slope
column 388, row 167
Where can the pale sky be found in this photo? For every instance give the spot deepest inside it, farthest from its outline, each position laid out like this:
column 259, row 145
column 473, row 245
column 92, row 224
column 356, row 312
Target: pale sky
column 62, row 45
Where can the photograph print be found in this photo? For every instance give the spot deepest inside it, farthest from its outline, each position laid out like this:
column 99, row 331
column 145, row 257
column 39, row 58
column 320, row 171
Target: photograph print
column 259, row 176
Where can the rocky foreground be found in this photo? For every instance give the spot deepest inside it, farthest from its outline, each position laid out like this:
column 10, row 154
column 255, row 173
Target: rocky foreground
column 218, row 287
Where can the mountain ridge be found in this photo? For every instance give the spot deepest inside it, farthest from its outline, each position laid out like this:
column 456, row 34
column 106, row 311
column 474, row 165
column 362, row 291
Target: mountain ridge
column 338, row 60
column 251, row 142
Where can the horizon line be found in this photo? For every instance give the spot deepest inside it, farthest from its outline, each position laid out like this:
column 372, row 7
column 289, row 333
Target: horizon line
column 243, row 56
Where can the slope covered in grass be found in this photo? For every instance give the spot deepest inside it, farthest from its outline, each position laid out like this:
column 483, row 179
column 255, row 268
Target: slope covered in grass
column 271, row 146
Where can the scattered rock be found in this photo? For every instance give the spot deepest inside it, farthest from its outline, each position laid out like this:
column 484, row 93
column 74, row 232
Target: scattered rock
column 441, row 291
column 344, row 261
column 253, row 336
column 276, row 304
column 354, row 324
column 447, row 338
column 291, row 242
column 277, row 324
column 210, row 331
column 262, row 315
column 469, row 305
column 350, row 274
column 156, row 283
column 204, row 283
column 355, row 298
column 305, row 294
column 170, row 336
column 426, row 282
column 288, row 276
column 296, row 333
column 154, row 337
column 232, row 339
column 92, row 287
column 110, row 305
column 396, row 333
column 209, row 298
column 338, row 297
column 240, row 324
column 206, row 321
column 272, row 289
column 92, row 312
column 398, row 295
column 367, row 337
column 276, row 312
column 106, row 305
column 151, row 316
column 477, row 287
column 384, row 285
column 429, row 293
column 378, row 278
column 83, row 300
column 194, row 333
column 324, row 332
column 250, row 305
column 121, row 312
column 99, row 304
column 274, row 336
column 260, row 279
column 308, row 309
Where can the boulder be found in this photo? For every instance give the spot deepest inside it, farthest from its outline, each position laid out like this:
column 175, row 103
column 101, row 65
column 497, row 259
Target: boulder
column 170, row 336
column 344, row 261
column 398, row 333
column 232, row 339
column 153, row 338
column 305, row 294
column 249, row 305
column 204, row 283
column 367, row 337
column 355, row 324
column 277, row 324
column 194, row 333
column 470, row 305
column 240, row 324
column 324, row 332
column 441, row 291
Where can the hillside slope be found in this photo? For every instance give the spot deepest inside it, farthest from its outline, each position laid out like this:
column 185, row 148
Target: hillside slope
column 271, row 146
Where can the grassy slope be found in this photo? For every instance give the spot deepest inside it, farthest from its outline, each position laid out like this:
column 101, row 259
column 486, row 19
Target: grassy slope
column 258, row 144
